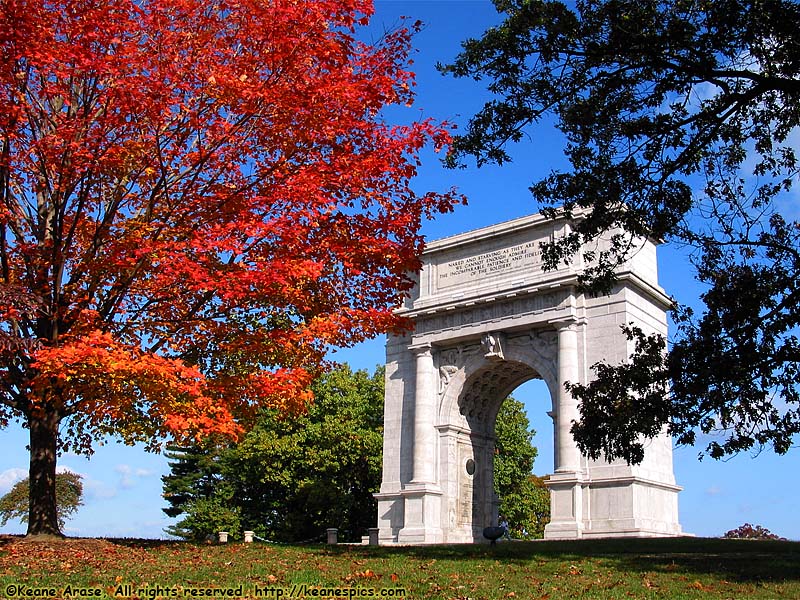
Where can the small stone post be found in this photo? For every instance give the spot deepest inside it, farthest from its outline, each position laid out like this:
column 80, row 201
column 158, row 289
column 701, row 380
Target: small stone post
column 373, row 536
column 333, row 535
column 223, row 537
column 248, row 537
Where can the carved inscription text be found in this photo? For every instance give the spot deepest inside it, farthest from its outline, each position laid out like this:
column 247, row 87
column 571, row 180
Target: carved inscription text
column 513, row 258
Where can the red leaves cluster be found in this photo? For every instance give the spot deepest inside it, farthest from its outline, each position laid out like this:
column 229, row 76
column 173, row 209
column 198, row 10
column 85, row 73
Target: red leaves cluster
column 202, row 197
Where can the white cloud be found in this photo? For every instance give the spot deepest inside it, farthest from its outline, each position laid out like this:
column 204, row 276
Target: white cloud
column 66, row 469
column 129, row 476
column 97, row 490
column 125, row 480
column 714, row 490
column 11, row 476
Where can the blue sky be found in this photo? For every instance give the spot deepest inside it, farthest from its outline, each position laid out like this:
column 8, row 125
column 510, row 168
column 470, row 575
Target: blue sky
column 123, row 486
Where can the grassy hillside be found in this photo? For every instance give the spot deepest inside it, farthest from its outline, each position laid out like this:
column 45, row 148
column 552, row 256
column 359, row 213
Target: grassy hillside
column 659, row 568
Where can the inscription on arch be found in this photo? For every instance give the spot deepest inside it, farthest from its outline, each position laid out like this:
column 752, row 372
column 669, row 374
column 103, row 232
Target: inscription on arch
column 521, row 257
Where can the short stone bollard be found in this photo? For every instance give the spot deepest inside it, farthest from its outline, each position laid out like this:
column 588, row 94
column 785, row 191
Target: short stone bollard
column 223, row 537
column 333, row 535
column 248, row 537
column 373, row 536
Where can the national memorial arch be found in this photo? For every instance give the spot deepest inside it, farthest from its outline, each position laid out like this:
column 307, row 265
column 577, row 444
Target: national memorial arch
column 487, row 319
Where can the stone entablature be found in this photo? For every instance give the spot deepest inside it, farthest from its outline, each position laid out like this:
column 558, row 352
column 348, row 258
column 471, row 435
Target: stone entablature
column 488, row 318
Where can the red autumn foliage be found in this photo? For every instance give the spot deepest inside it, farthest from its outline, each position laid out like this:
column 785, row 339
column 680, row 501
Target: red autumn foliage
column 199, row 198
column 751, row 532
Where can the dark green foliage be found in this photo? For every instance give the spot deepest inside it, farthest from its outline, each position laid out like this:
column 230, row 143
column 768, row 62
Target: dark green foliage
column 678, row 117
column 625, row 401
column 291, row 477
column 206, row 517
column 195, row 486
column 524, row 501
column 69, row 497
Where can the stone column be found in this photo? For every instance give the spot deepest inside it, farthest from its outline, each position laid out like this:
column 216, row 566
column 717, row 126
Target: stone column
column 425, row 417
column 554, row 418
column 568, row 458
column 567, row 500
column 422, row 495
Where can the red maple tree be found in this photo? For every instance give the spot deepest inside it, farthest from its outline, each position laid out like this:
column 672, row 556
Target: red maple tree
column 199, row 198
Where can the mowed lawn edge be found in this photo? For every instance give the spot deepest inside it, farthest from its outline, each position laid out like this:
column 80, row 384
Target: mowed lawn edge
column 619, row 568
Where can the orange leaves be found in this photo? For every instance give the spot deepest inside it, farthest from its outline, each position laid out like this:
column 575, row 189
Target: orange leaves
column 98, row 375
column 139, row 394
column 697, row 585
column 285, row 389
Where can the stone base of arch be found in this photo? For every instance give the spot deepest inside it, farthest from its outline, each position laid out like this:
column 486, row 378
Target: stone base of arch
column 422, row 505
column 623, row 506
column 581, row 508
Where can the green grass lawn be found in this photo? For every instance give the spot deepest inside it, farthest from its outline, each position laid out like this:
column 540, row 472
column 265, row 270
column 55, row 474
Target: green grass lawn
column 658, row 568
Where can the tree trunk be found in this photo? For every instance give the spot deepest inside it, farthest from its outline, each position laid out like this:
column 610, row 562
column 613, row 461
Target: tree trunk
column 43, row 517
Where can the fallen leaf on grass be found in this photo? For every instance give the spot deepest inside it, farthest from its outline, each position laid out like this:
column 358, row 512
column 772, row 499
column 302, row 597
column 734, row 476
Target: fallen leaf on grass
column 648, row 584
column 699, row 586
column 367, row 574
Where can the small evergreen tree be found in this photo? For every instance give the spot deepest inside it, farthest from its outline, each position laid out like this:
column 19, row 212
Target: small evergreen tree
column 195, row 478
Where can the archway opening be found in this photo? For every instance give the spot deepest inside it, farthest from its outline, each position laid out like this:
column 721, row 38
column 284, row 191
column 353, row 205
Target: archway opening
column 495, row 403
column 535, row 396
column 523, row 461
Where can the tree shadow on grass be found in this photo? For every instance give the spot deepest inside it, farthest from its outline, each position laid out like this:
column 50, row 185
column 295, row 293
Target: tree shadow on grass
column 733, row 560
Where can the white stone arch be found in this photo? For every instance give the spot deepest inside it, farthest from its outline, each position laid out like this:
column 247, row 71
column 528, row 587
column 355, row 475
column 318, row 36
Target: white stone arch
column 471, row 395
column 529, row 349
column 487, row 319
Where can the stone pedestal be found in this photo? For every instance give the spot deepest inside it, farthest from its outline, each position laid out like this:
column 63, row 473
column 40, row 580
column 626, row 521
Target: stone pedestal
column 566, row 506
column 422, row 510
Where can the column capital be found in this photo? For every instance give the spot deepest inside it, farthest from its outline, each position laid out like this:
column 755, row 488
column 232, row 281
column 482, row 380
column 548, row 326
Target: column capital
column 422, row 349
